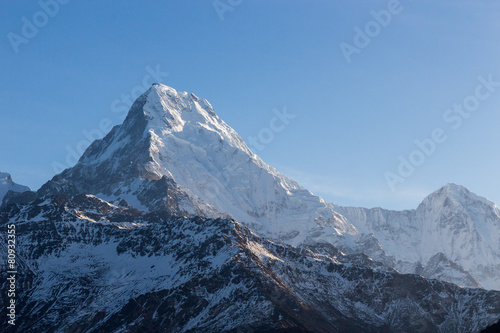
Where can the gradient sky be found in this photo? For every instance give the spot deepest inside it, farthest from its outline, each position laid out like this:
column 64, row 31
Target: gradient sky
column 353, row 120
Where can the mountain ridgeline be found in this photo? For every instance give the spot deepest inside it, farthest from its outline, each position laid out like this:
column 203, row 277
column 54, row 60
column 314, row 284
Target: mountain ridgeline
column 170, row 223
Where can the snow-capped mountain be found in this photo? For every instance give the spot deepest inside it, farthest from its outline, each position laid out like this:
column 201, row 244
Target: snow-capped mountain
column 7, row 184
column 86, row 265
column 170, row 223
column 453, row 235
column 174, row 153
column 177, row 136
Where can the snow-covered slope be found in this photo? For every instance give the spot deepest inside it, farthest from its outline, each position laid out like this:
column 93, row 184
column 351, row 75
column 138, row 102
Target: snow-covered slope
column 452, row 227
column 174, row 134
column 7, row 184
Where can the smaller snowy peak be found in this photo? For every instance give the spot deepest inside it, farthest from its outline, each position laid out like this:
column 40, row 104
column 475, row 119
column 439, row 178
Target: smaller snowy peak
column 466, row 228
column 7, row 184
column 457, row 196
column 452, row 191
column 452, row 221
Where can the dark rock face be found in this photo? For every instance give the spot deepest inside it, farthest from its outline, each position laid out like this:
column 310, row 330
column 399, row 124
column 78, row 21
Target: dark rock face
column 12, row 197
column 86, row 265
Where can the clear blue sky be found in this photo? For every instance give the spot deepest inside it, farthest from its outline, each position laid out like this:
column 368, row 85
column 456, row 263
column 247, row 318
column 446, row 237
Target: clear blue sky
column 352, row 119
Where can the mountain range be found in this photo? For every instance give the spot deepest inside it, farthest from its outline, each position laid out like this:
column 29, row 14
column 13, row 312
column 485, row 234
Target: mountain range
column 171, row 223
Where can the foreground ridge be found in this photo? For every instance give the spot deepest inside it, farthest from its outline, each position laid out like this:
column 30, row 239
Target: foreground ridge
column 89, row 265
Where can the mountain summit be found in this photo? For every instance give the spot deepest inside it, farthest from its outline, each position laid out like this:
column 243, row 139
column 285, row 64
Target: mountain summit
column 173, row 146
column 452, row 227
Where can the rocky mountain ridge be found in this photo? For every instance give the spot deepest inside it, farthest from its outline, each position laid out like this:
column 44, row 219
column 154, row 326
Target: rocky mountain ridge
column 171, row 223
column 92, row 266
